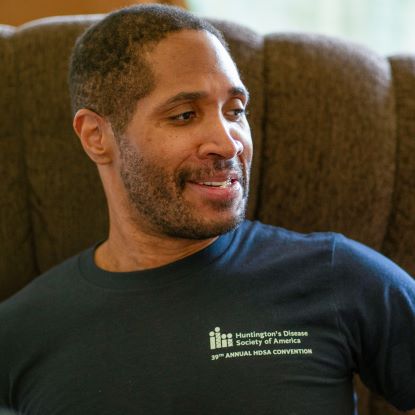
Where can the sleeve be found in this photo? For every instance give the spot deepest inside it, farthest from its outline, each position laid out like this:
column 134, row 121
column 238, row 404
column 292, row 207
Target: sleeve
column 4, row 370
column 12, row 344
column 375, row 301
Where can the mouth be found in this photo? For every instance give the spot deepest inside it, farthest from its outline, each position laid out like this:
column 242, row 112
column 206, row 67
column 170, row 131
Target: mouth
column 217, row 189
column 218, row 184
column 224, row 184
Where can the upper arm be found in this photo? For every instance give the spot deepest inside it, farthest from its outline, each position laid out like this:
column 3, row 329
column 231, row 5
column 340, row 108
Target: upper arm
column 376, row 305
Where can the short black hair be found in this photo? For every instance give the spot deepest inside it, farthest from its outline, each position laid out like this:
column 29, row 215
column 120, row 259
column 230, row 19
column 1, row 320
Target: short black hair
column 108, row 71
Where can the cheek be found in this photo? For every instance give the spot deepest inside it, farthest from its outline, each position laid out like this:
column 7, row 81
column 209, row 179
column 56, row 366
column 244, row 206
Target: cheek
column 171, row 150
column 246, row 140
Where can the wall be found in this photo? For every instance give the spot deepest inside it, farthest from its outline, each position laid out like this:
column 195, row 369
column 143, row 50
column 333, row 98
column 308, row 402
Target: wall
column 16, row 12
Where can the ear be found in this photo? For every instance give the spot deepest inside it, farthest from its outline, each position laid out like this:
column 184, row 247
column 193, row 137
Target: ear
column 96, row 136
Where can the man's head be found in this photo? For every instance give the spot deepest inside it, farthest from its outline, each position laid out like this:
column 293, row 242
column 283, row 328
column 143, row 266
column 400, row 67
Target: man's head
column 161, row 83
column 109, row 70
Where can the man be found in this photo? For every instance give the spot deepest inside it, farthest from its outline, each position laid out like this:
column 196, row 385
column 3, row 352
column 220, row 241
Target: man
column 186, row 308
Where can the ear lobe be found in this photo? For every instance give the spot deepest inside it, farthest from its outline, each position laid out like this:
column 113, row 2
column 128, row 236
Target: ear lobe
column 95, row 134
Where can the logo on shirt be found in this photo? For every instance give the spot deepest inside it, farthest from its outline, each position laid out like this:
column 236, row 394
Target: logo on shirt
column 263, row 343
column 218, row 340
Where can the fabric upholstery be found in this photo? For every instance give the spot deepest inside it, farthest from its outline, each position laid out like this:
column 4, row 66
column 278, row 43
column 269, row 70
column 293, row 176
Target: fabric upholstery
column 17, row 265
column 67, row 204
column 333, row 128
column 329, row 145
column 399, row 243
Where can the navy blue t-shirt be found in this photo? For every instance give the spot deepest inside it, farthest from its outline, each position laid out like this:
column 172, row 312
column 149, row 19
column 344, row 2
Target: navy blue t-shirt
column 263, row 321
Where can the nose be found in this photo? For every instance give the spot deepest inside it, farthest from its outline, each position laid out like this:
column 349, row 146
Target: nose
column 221, row 139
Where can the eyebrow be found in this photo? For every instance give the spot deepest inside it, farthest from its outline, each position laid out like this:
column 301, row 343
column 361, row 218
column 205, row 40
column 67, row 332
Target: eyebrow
column 236, row 91
column 193, row 96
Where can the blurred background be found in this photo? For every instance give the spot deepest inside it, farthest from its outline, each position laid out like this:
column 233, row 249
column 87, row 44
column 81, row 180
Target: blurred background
column 386, row 26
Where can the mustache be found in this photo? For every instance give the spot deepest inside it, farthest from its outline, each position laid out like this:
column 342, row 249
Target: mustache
column 216, row 167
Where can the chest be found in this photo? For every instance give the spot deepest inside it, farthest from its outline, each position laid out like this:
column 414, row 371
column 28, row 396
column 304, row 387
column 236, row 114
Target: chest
column 232, row 348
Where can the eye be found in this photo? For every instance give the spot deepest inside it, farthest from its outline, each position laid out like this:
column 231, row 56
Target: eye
column 237, row 113
column 184, row 116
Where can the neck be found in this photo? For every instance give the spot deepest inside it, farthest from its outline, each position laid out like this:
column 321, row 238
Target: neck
column 130, row 249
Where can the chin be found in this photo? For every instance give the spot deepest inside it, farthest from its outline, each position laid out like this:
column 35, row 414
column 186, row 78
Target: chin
column 206, row 228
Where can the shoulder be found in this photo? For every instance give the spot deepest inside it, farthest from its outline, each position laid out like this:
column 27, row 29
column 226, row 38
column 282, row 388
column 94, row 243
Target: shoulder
column 274, row 239
column 351, row 265
column 359, row 263
column 375, row 302
column 43, row 292
column 257, row 230
column 259, row 248
column 370, row 291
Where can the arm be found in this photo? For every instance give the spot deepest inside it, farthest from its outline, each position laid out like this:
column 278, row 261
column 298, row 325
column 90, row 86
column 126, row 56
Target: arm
column 376, row 304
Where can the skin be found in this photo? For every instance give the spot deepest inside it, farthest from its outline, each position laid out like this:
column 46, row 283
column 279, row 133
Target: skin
column 190, row 129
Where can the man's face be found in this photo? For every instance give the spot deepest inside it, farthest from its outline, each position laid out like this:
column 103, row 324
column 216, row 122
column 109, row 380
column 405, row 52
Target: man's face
column 185, row 156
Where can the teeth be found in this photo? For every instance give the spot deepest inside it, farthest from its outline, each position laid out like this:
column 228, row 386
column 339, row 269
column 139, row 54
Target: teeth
column 218, row 184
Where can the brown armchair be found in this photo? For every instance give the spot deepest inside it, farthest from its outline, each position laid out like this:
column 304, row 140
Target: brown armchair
column 334, row 133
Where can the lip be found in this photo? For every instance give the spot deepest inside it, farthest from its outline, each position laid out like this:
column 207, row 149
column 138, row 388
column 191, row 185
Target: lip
column 218, row 178
column 217, row 193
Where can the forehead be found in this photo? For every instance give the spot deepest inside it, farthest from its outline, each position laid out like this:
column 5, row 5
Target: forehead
column 192, row 60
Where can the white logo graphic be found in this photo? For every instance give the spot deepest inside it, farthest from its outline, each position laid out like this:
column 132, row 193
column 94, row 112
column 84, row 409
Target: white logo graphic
column 218, row 340
column 281, row 343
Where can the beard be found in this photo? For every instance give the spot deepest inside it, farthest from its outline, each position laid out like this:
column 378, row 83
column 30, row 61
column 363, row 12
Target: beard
column 157, row 197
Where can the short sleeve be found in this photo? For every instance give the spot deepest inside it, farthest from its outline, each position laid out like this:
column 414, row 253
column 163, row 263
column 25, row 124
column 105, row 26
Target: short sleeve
column 4, row 367
column 375, row 301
